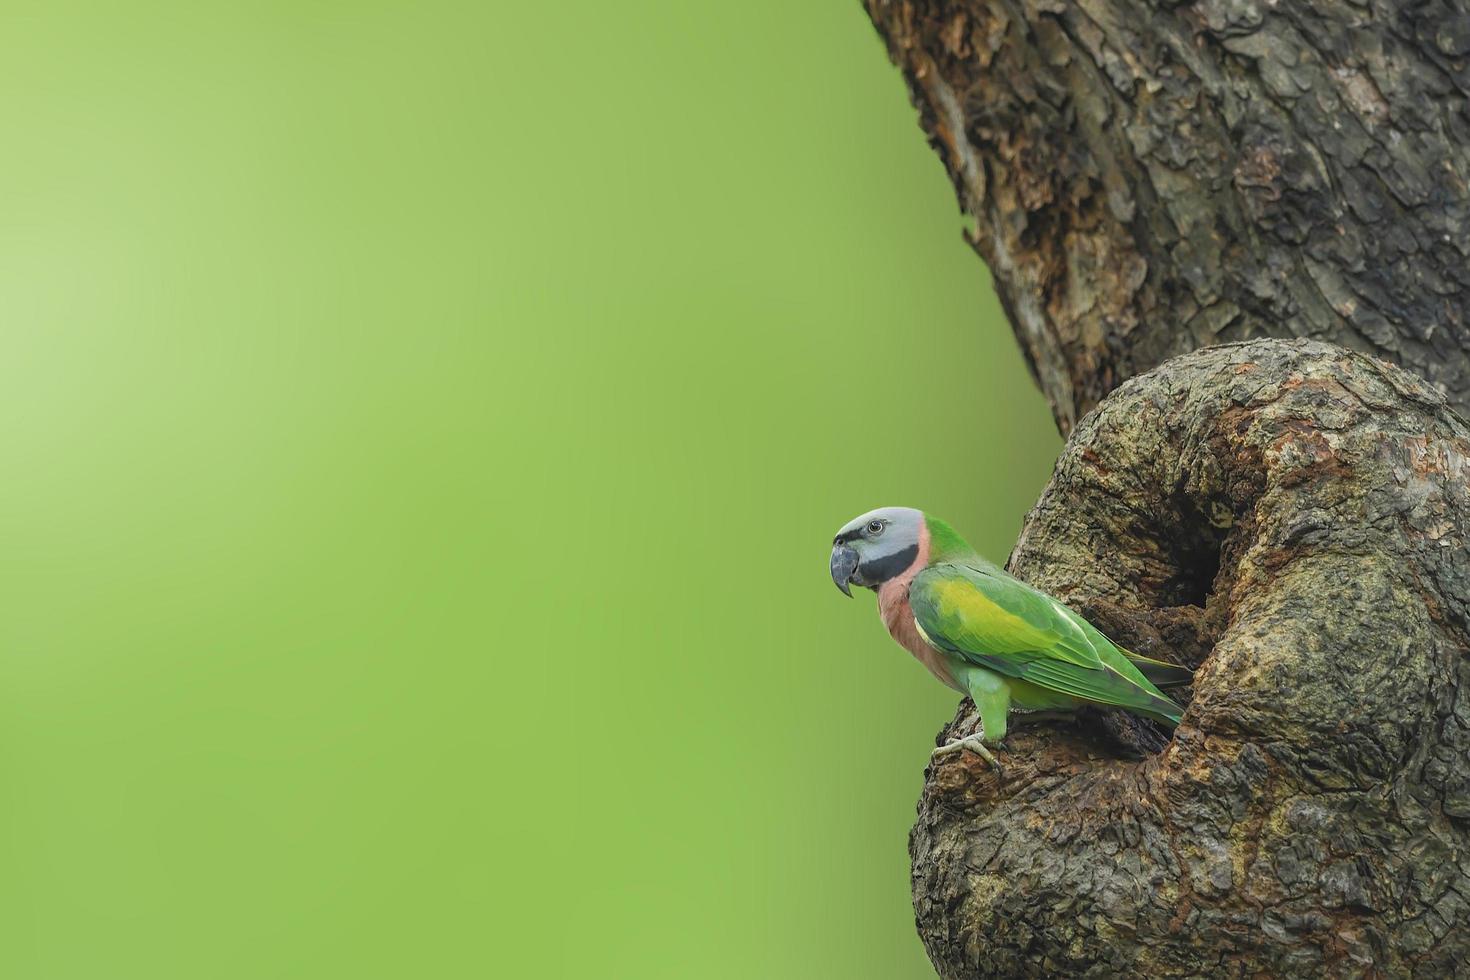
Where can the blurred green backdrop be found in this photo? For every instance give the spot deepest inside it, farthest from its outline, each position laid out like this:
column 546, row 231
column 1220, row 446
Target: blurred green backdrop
column 423, row 430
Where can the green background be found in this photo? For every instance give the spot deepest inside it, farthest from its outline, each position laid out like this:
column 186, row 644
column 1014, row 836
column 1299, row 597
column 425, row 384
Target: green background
column 423, row 431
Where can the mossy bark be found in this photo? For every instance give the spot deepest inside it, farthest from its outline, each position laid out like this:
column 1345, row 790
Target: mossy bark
column 1149, row 177
column 1290, row 517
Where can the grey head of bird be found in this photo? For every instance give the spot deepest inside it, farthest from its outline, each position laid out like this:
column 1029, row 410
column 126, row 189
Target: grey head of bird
column 878, row 546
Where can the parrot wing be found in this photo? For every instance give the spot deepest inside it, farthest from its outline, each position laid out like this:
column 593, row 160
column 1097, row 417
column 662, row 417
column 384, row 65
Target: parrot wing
column 993, row 620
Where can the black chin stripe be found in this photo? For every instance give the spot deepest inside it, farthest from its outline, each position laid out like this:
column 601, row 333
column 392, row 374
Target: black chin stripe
column 889, row 566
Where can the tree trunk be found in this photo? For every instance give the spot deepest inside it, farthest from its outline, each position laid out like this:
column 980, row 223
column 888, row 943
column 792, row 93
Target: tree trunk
column 1291, row 516
column 1150, row 177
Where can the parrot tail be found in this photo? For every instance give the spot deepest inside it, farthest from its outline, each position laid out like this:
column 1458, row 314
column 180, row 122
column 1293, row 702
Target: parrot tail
column 1161, row 710
column 1160, row 673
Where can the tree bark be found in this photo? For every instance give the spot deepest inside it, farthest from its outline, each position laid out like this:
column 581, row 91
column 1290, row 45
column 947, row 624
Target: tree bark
column 1290, row 517
column 1148, row 177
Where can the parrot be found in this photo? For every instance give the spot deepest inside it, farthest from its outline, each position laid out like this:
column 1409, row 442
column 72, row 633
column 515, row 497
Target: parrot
column 987, row 634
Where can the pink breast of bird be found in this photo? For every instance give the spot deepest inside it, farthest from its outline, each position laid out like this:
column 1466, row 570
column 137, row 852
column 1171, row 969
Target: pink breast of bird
column 893, row 606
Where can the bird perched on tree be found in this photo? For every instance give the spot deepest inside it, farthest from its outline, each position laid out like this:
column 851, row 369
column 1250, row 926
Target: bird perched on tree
column 988, row 634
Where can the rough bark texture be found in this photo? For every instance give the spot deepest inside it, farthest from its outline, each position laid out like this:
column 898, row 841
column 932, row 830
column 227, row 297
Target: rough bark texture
column 1290, row 517
column 1150, row 177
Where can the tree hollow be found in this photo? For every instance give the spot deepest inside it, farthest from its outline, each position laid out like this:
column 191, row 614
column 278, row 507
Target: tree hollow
column 1290, row 518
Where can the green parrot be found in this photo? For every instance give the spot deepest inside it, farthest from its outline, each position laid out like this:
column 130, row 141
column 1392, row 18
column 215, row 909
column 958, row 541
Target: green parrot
column 988, row 634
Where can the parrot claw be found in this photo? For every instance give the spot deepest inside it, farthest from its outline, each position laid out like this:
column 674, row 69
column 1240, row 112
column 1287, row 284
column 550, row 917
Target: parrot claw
column 975, row 744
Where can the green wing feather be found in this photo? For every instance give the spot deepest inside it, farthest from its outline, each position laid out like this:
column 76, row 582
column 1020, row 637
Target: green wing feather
column 993, row 620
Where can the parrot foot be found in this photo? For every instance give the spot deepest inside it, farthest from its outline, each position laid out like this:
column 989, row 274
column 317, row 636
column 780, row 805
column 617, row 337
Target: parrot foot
column 975, row 743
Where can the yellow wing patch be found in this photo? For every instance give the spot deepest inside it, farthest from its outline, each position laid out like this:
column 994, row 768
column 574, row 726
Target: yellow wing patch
column 971, row 619
column 977, row 611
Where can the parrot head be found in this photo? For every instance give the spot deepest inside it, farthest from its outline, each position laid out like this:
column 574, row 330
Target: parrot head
column 878, row 546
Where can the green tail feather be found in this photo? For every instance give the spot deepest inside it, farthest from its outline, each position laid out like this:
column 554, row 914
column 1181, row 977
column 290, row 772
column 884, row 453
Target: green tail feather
column 1158, row 672
column 1162, row 710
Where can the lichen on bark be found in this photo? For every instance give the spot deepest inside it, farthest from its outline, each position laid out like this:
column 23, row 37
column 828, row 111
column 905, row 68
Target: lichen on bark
column 1290, row 518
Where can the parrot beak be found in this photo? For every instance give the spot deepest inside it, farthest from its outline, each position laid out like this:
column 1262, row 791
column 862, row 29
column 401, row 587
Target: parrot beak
column 844, row 564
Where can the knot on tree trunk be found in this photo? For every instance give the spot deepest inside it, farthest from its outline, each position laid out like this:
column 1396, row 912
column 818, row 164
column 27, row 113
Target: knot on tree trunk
column 1289, row 518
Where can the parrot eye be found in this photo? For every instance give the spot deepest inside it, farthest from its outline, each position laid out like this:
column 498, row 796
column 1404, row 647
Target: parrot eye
column 875, row 528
